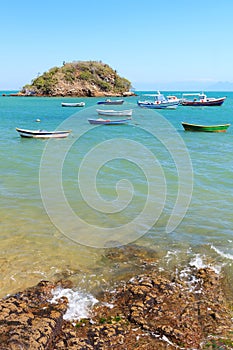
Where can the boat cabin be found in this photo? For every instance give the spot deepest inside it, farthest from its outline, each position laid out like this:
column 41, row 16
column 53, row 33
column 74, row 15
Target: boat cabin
column 158, row 98
column 194, row 97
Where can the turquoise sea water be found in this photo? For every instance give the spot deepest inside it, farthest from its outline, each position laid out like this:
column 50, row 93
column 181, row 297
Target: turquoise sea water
column 64, row 201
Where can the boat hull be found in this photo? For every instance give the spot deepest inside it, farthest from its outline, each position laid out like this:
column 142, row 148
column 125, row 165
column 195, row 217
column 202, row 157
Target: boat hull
column 42, row 134
column 155, row 105
column 211, row 102
column 205, row 128
column 109, row 102
column 78, row 104
column 115, row 113
column 108, row 121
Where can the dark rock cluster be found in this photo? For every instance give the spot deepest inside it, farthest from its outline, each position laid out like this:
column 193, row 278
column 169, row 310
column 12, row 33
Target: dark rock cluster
column 147, row 312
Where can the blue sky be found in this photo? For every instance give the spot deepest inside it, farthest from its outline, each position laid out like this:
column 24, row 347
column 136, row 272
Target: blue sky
column 163, row 45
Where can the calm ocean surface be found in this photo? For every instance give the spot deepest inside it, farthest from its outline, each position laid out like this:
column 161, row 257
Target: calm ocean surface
column 39, row 240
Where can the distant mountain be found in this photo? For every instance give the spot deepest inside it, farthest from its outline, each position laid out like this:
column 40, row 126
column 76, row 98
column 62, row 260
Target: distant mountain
column 172, row 86
column 185, row 86
column 221, row 86
column 81, row 78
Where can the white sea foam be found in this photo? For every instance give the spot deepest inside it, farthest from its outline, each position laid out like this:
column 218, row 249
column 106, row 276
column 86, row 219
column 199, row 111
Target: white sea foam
column 110, row 306
column 170, row 255
column 79, row 303
column 224, row 255
column 198, row 262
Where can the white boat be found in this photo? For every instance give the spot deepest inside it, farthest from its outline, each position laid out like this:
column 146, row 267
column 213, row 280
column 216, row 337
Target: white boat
column 173, row 98
column 76, row 104
column 42, row 134
column 159, row 102
column 111, row 112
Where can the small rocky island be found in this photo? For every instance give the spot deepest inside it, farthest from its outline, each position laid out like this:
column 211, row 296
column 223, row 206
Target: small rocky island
column 81, row 78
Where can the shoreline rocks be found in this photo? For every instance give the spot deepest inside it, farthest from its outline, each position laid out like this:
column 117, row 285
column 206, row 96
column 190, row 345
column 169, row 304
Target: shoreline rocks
column 28, row 321
column 147, row 312
column 69, row 93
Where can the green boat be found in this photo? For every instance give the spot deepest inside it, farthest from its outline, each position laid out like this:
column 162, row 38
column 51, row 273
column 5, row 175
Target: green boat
column 205, row 128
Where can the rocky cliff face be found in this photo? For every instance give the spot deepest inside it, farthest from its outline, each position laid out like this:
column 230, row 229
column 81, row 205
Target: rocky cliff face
column 82, row 78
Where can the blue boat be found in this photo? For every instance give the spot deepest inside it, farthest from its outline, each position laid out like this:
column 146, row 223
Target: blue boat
column 101, row 121
column 159, row 102
column 110, row 102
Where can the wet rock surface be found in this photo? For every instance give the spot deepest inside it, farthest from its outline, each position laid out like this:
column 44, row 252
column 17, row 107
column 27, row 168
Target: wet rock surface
column 149, row 311
column 28, row 321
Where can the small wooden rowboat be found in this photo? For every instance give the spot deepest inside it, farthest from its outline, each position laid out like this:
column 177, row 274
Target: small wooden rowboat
column 108, row 121
column 42, row 134
column 77, row 104
column 205, row 128
column 110, row 102
column 109, row 112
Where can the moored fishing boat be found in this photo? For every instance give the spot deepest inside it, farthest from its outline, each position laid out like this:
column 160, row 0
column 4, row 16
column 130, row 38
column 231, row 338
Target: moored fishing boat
column 173, row 98
column 114, row 113
column 197, row 99
column 42, row 134
column 159, row 102
column 110, row 102
column 101, row 121
column 205, row 128
column 75, row 104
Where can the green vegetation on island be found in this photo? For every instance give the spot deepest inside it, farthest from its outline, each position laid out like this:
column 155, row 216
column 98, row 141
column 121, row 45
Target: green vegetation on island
column 81, row 78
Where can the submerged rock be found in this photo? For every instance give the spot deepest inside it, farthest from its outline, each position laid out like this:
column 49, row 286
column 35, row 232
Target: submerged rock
column 147, row 312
